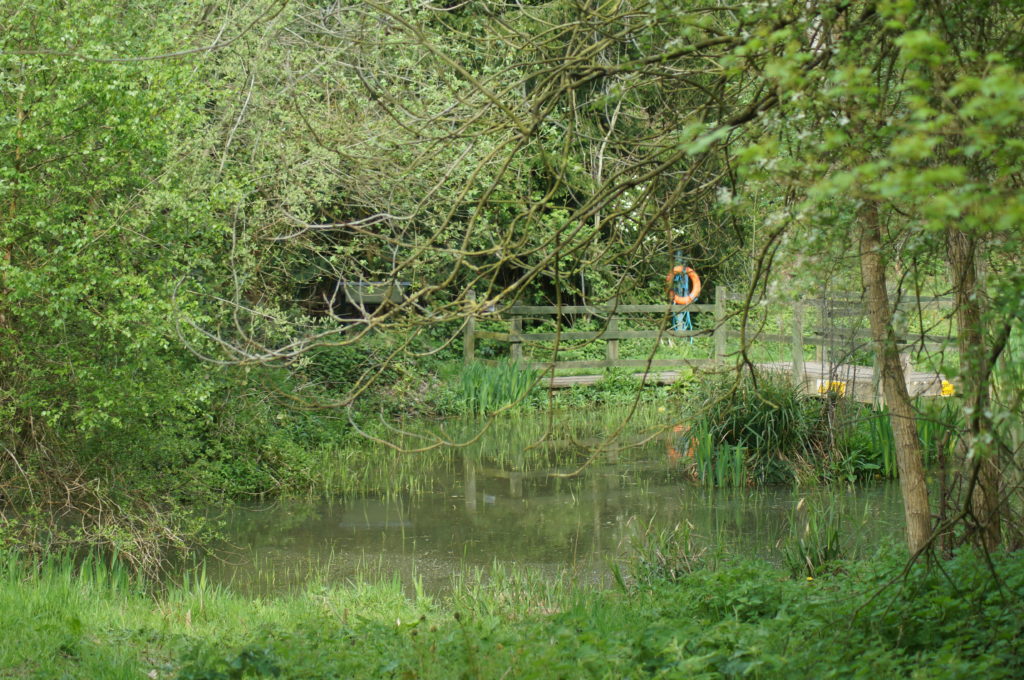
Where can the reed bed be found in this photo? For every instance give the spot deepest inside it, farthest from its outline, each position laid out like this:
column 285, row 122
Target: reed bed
column 489, row 388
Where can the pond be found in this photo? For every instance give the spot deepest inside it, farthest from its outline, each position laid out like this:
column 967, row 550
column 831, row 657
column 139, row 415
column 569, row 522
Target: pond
column 570, row 505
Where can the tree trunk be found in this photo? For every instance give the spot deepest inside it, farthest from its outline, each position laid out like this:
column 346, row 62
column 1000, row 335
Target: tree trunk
column 894, row 384
column 975, row 371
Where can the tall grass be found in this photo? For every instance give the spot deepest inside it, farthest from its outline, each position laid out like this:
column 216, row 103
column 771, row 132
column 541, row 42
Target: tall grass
column 93, row 618
column 743, row 619
column 511, row 590
column 50, row 607
column 486, row 388
column 880, row 440
column 938, row 424
column 92, row 573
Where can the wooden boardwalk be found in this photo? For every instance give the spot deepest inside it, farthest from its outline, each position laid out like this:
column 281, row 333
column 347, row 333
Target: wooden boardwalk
column 859, row 382
column 855, row 382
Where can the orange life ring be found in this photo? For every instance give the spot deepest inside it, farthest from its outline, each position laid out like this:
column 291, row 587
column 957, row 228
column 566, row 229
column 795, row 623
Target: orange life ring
column 674, row 297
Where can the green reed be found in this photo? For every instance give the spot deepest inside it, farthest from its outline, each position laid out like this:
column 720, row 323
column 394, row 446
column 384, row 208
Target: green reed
column 666, row 554
column 815, row 538
column 724, row 465
column 939, row 422
column 486, row 388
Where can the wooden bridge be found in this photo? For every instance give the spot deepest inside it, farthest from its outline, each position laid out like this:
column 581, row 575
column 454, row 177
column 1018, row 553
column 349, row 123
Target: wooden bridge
column 838, row 337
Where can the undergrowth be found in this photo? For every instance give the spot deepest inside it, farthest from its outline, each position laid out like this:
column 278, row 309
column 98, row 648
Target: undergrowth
column 744, row 619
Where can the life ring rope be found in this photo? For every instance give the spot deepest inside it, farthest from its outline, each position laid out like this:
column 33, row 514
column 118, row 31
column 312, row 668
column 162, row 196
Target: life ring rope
column 674, row 297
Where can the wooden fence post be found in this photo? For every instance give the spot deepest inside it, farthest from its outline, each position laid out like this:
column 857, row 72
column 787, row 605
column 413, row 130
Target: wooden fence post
column 721, row 332
column 819, row 349
column 611, row 347
column 469, row 334
column 515, row 347
column 798, row 345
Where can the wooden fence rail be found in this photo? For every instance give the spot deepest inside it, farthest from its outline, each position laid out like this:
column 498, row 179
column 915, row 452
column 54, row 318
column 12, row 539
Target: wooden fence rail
column 837, row 335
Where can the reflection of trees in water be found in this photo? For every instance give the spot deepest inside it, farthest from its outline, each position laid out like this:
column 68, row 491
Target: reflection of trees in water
column 560, row 521
column 502, row 501
column 554, row 440
column 563, row 442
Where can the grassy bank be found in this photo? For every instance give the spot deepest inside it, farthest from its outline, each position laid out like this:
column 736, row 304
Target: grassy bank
column 743, row 620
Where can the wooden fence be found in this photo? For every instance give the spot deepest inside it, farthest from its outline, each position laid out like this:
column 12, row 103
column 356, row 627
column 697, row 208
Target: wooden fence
column 839, row 334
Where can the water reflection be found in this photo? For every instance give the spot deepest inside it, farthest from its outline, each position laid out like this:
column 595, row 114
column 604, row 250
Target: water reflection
column 556, row 507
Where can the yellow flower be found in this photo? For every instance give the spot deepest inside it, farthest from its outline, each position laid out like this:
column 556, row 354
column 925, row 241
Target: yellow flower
column 947, row 389
column 810, row 578
column 836, row 386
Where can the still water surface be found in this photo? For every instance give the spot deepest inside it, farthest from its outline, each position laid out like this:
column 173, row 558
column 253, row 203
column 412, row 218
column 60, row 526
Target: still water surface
column 501, row 501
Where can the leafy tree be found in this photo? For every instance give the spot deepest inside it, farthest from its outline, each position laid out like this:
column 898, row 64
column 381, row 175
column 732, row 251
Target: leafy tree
column 96, row 232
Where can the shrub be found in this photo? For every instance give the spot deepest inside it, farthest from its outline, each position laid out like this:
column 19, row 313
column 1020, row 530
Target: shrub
column 789, row 435
column 773, row 421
